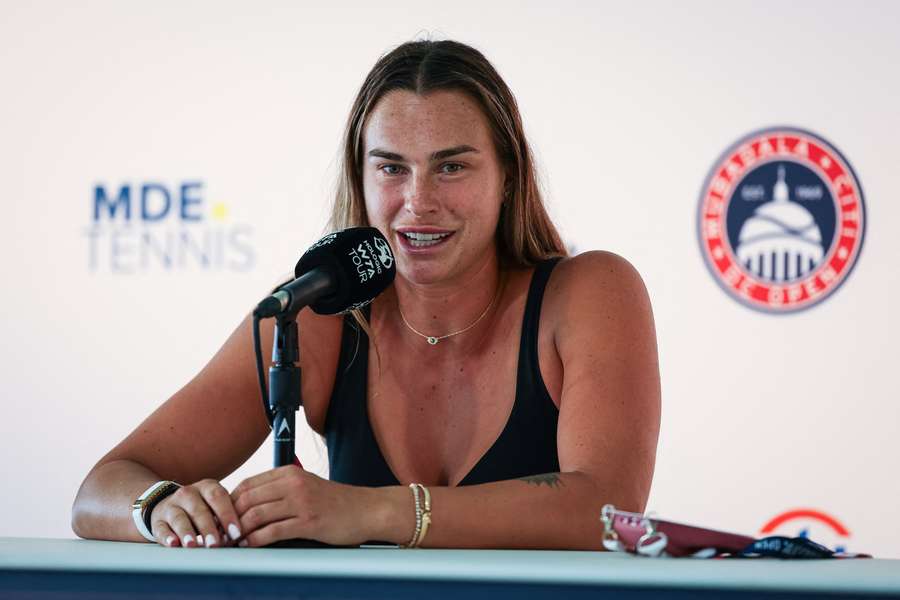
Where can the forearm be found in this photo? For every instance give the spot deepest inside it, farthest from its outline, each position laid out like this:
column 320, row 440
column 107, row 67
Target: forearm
column 102, row 507
column 556, row 511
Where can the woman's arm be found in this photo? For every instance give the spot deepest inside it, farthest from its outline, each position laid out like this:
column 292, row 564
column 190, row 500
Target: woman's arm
column 206, row 430
column 102, row 505
column 608, row 422
column 608, row 426
column 197, row 437
column 548, row 511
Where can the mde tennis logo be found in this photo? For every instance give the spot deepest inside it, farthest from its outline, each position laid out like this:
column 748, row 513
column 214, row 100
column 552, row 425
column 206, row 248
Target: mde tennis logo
column 781, row 220
column 150, row 226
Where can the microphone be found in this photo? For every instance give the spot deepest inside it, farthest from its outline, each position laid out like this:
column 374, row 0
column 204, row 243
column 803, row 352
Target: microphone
column 343, row 271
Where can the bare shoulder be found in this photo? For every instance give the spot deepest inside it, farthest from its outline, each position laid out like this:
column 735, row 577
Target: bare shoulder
column 596, row 285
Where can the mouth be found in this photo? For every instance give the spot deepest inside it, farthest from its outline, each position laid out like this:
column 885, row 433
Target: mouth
column 418, row 239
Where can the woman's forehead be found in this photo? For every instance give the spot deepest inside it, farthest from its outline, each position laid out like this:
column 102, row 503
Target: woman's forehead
column 405, row 121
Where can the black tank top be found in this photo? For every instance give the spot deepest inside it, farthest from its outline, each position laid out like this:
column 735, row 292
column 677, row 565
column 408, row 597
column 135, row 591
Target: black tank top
column 526, row 446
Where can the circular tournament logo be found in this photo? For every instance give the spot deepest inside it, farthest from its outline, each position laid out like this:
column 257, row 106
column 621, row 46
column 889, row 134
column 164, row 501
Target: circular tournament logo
column 781, row 220
column 810, row 523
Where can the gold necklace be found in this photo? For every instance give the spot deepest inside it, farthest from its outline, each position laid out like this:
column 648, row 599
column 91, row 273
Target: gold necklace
column 434, row 339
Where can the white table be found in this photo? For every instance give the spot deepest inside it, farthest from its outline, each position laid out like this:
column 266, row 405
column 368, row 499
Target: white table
column 53, row 568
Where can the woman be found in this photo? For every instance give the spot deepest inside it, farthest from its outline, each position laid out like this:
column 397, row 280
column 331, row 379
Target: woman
column 516, row 389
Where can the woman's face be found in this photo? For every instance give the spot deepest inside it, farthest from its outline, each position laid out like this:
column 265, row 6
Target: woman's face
column 433, row 183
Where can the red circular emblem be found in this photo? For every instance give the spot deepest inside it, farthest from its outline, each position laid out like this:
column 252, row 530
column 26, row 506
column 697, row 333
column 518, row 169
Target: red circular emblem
column 781, row 220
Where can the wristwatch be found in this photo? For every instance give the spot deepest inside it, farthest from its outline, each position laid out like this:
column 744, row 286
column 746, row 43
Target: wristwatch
column 140, row 510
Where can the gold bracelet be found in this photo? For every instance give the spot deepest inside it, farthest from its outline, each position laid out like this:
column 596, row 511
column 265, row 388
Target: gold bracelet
column 426, row 514
column 415, row 537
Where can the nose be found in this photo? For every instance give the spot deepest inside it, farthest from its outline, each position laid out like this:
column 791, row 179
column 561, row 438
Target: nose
column 419, row 197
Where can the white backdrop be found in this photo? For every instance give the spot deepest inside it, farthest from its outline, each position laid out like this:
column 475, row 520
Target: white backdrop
column 628, row 105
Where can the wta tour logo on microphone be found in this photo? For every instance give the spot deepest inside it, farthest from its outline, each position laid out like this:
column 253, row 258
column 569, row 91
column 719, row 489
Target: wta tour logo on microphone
column 371, row 257
column 148, row 226
column 781, row 220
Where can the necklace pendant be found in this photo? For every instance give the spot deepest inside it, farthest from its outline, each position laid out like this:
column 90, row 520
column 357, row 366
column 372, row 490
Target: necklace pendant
column 432, row 340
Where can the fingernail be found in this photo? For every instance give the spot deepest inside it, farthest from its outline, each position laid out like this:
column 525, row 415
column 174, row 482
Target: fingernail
column 199, row 539
column 211, row 540
column 234, row 532
column 242, row 543
column 187, row 540
column 170, row 540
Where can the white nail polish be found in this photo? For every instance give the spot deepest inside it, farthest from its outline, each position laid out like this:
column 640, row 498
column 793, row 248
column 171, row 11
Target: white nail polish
column 170, row 540
column 234, row 532
column 199, row 539
column 187, row 540
column 211, row 540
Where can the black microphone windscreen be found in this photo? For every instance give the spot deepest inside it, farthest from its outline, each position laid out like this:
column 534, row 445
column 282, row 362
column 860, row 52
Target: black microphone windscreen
column 360, row 259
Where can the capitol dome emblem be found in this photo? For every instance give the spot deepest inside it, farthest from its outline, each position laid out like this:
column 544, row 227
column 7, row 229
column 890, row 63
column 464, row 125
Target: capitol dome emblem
column 781, row 220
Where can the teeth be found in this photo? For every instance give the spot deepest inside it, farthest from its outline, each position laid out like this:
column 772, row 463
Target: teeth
column 420, row 240
column 424, row 237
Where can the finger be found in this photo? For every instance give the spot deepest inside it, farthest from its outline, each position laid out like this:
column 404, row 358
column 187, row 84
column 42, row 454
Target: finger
column 193, row 502
column 181, row 524
column 262, row 478
column 273, row 532
column 224, row 512
column 164, row 534
column 262, row 515
column 223, row 534
column 227, row 540
column 263, row 494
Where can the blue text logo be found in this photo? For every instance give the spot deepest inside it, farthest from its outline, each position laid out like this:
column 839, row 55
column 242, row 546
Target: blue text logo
column 146, row 226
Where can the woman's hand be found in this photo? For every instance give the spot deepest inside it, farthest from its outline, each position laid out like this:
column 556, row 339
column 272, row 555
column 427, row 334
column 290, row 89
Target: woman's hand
column 200, row 514
column 289, row 503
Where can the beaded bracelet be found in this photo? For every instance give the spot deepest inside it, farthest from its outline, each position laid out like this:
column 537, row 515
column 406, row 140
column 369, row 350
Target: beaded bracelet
column 423, row 515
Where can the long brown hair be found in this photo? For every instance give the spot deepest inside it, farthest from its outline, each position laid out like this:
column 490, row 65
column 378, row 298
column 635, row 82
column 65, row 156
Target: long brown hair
column 525, row 233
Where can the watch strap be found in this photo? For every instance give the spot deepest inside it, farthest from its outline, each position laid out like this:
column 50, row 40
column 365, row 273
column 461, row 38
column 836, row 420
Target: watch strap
column 143, row 505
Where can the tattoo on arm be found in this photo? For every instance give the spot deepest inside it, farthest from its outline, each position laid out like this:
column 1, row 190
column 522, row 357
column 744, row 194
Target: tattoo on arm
column 548, row 479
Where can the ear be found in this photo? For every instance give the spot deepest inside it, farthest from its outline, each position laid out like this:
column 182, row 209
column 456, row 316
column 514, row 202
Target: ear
column 507, row 188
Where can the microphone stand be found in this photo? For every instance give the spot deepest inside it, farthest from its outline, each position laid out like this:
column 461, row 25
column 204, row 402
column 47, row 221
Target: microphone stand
column 284, row 387
column 284, row 401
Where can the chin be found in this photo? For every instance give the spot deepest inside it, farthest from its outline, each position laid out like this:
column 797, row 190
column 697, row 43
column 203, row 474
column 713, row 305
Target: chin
column 422, row 273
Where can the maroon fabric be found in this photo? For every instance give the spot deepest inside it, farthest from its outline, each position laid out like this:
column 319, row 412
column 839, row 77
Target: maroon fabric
column 684, row 540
